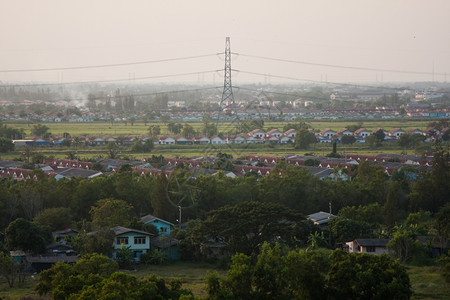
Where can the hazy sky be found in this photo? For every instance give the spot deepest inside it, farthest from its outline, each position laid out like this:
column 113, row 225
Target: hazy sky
column 403, row 35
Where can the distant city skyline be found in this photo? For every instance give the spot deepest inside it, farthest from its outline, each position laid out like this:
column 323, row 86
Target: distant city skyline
column 276, row 42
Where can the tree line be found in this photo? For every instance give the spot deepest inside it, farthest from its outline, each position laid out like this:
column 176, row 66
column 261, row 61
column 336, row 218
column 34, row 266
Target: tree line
column 391, row 199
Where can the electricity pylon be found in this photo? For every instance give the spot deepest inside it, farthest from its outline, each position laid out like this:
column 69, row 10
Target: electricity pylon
column 227, row 102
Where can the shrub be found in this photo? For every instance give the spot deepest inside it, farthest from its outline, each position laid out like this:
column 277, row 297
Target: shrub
column 154, row 257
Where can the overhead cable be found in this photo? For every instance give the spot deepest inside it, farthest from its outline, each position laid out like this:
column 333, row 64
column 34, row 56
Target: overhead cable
column 109, row 65
column 112, row 80
column 339, row 66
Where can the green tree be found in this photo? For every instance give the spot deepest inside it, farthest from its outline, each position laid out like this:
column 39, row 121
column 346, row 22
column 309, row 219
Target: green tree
column 10, row 269
column 446, row 135
column 371, row 181
column 239, row 276
column 304, row 138
column 215, row 287
column 306, row 273
column 396, row 204
column 297, row 126
column 99, row 241
column 6, row 145
column 348, row 139
column 354, row 127
column 349, row 278
column 442, row 225
column 431, row 191
column 293, row 187
column 124, row 257
column 25, row 235
column 209, row 129
column 174, row 128
column 155, row 257
column 316, row 240
column 110, row 212
column 314, row 274
column 162, row 205
column 165, row 119
column 372, row 141
column 411, row 140
column 64, row 280
column 11, row 133
column 247, row 225
column 269, row 273
column 112, row 150
column 140, row 147
column 345, row 230
column 371, row 214
column 380, row 135
column 95, row 277
column 55, row 218
column 312, row 162
column 404, row 243
column 97, row 166
column 40, row 131
column 444, row 263
column 154, row 130
column 188, row 131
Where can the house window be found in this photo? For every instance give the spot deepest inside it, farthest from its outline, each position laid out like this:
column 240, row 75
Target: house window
column 163, row 229
column 370, row 249
column 122, row 240
column 139, row 240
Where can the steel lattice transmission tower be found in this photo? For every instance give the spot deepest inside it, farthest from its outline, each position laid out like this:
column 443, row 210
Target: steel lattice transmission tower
column 227, row 102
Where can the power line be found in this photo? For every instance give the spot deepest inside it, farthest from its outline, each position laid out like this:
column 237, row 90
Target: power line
column 149, row 94
column 339, row 66
column 314, row 81
column 109, row 65
column 110, row 80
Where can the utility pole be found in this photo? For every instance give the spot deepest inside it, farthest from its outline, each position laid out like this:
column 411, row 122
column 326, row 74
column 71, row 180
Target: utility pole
column 227, row 95
column 179, row 219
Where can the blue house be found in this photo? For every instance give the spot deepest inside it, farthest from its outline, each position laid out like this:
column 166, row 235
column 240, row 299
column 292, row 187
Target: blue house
column 162, row 225
column 167, row 245
column 164, row 242
column 137, row 241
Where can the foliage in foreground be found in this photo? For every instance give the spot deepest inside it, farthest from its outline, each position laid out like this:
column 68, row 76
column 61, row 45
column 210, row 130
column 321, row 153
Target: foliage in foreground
column 311, row 275
column 96, row 277
column 444, row 263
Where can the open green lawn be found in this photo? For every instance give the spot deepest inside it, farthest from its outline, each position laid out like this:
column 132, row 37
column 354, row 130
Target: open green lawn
column 26, row 291
column 191, row 274
column 426, row 281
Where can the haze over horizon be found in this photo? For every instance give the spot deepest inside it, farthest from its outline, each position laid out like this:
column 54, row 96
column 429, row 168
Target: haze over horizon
column 296, row 41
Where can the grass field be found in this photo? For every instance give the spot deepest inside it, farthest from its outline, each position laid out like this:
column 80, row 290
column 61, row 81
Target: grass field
column 120, row 129
column 426, row 281
column 238, row 151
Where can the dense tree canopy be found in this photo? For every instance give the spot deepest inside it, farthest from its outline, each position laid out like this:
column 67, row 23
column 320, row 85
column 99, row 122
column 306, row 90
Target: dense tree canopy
column 246, row 225
column 6, row 145
column 24, row 235
column 110, row 212
column 40, row 130
column 304, row 138
column 311, row 275
column 370, row 202
column 96, row 277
